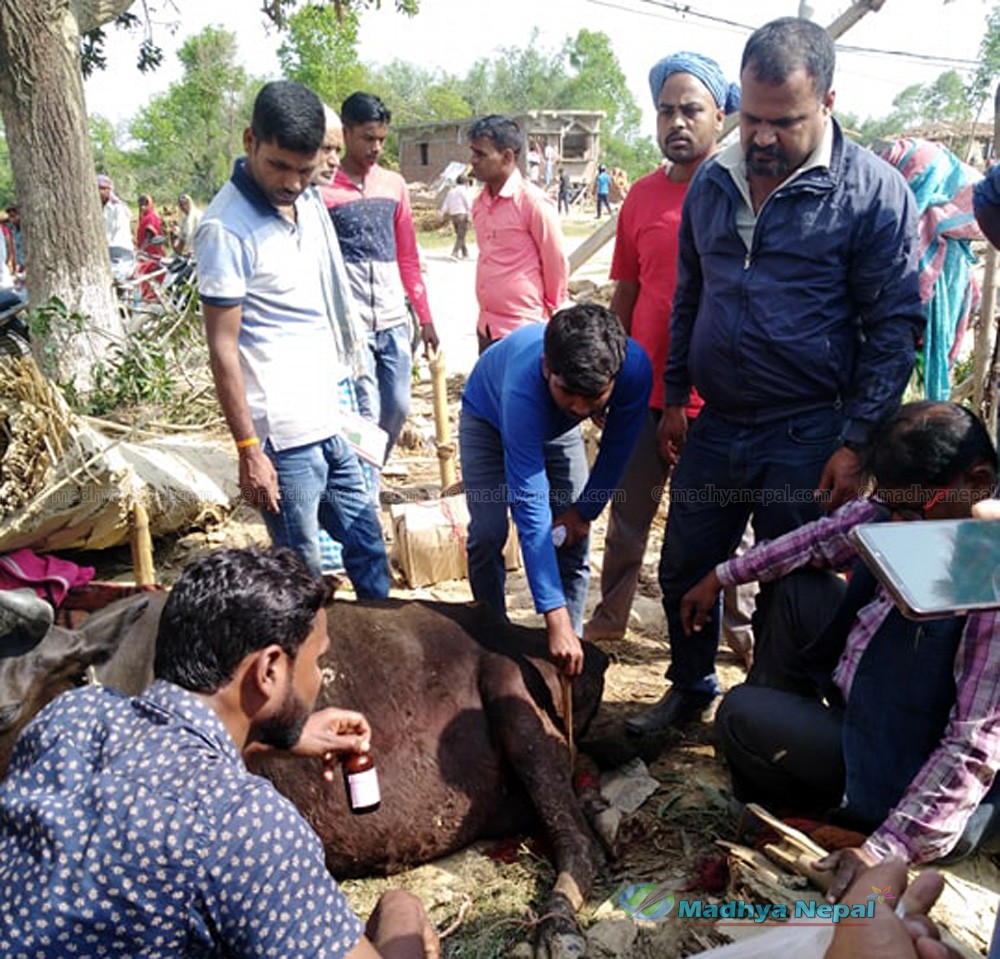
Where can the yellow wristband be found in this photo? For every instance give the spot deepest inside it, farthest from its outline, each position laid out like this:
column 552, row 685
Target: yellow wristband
column 249, row 441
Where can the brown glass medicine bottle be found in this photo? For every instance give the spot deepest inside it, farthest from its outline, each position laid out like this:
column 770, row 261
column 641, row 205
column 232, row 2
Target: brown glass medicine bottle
column 361, row 783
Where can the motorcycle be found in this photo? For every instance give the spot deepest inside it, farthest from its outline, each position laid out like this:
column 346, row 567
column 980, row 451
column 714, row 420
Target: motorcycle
column 15, row 338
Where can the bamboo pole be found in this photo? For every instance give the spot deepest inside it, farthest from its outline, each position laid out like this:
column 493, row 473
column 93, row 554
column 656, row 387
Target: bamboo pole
column 142, row 547
column 606, row 230
column 442, row 427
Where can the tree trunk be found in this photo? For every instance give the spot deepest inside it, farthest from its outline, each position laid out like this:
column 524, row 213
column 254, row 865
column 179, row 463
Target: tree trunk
column 45, row 118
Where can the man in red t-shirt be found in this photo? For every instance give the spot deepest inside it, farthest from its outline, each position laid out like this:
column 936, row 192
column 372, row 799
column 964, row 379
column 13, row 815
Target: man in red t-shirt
column 692, row 98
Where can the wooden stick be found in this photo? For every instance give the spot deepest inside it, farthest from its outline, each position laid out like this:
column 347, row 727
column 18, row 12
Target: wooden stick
column 142, row 547
column 793, row 836
column 442, row 427
column 567, row 713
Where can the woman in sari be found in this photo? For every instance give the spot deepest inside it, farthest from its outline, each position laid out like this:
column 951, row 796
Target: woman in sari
column 149, row 230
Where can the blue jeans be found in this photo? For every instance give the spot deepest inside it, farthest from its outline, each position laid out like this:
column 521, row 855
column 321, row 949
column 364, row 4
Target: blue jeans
column 321, row 484
column 727, row 473
column 485, row 488
column 384, row 396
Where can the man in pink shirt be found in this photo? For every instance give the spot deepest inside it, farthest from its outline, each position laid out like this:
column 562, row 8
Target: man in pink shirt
column 521, row 273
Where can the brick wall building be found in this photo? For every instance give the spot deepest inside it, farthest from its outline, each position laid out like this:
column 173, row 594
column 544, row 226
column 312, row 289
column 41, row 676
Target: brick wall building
column 425, row 149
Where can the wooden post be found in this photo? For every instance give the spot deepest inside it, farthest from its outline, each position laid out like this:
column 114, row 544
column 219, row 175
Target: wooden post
column 142, row 547
column 606, row 230
column 593, row 243
column 983, row 393
column 442, row 427
column 986, row 379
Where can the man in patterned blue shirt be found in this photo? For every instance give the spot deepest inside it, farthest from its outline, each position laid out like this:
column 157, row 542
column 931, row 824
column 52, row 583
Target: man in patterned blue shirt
column 131, row 827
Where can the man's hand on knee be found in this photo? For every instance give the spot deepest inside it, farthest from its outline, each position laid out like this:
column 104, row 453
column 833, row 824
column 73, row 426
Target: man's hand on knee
column 840, row 480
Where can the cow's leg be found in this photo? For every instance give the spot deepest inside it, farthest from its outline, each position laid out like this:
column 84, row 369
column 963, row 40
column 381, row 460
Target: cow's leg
column 540, row 756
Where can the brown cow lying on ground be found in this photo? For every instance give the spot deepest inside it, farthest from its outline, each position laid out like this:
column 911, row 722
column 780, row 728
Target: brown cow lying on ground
column 466, row 733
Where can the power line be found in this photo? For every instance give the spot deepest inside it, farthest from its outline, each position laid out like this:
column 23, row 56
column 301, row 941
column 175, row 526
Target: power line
column 683, row 11
column 926, row 57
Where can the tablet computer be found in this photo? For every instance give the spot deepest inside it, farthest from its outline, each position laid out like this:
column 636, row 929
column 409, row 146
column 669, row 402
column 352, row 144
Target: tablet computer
column 934, row 568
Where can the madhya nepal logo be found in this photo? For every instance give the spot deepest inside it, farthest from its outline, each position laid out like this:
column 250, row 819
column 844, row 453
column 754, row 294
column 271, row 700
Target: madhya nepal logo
column 647, row 900
column 654, row 901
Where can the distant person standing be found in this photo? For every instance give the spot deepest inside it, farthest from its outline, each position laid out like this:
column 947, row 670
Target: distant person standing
column 457, row 206
column 117, row 219
column 149, row 241
column 6, row 254
column 603, row 186
column 14, row 224
column 183, row 241
column 370, row 208
column 563, row 191
column 150, row 227
column 521, row 272
column 549, row 153
column 7, row 261
column 534, row 162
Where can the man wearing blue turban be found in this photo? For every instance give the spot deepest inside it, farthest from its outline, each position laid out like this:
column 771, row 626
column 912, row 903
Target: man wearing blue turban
column 692, row 97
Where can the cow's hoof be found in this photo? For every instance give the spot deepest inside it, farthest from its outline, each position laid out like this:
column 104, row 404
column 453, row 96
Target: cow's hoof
column 558, row 936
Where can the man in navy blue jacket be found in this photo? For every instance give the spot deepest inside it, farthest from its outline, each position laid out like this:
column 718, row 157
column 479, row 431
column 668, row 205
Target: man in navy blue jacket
column 796, row 316
column 535, row 384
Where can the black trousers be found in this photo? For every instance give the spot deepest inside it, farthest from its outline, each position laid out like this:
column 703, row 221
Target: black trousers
column 781, row 740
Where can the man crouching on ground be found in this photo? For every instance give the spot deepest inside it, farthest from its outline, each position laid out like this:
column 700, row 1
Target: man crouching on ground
column 527, row 390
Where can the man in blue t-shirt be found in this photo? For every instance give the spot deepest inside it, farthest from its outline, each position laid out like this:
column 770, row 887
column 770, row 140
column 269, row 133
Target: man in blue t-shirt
column 603, row 184
column 536, row 384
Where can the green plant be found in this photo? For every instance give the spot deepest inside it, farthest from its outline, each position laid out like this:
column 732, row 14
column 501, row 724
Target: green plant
column 53, row 326
column 137, row 371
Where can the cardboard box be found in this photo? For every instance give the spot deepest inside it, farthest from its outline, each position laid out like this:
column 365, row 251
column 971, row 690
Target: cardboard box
column 429, row 541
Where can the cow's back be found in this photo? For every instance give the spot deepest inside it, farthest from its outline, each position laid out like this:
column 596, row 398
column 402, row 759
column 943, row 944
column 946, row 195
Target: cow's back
column 414, row 669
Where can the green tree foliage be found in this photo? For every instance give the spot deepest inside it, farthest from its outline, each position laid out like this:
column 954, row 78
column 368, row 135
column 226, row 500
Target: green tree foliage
column 320, row 50
column 189, row 136
column 947, row 98
column 597, row 83
column 516, row 79
column 416, row 95
column 6, row 173
column 280, row 11
column 583, row 75
column 984, row 82
column 110, row 157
